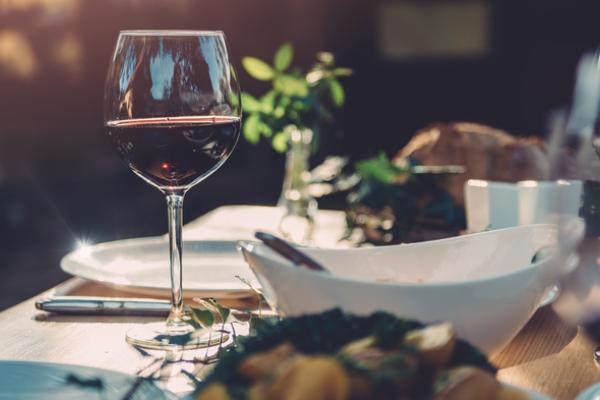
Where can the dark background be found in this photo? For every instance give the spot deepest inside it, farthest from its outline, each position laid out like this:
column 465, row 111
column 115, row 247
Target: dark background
column 61, row 182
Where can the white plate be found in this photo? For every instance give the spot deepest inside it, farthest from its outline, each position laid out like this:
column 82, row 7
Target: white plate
column 142, row 265
column 46, row 381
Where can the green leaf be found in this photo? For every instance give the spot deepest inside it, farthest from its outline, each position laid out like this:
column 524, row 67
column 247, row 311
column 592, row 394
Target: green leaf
column 252, row 128
column 279, row 112
column 380, row 169
column 280, row 142
column 216, row 309
column 257, row 323
column 250, row 103
column 266, row 130
column 223, row 311
column 336, row 91
column 267, row 101
column 291, row 85
column 283, row 57
column 203, row 317
column 258, row 69
column 294, row 115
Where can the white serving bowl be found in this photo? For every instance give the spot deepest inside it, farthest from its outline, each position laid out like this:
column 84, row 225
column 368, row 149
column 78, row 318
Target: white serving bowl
column 484, row 283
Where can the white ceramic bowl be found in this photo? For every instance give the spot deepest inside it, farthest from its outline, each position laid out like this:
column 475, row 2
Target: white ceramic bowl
column 484, row 283
column 495, row 205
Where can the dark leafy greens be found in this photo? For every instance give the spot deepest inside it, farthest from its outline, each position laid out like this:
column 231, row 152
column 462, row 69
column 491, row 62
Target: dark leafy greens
column 326, row 333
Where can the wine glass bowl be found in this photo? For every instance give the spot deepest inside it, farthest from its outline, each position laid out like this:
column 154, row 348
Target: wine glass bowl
column 172, row 105
column 172, row 109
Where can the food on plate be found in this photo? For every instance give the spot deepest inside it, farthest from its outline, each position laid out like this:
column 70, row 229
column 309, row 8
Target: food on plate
column 336, row 356
column 216, row 391
column 263, row 364
column 435, row 343
column 303, row 377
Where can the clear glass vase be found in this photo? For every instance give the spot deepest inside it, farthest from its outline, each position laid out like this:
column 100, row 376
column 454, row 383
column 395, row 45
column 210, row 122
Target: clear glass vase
column 299, row 207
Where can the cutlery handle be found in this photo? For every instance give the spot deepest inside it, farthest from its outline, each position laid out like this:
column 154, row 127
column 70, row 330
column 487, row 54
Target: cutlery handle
column 84, row 305
column 289, row 252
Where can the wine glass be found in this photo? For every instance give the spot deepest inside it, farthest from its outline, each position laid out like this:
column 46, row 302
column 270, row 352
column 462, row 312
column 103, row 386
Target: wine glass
column 575, row 154
column 172, row 109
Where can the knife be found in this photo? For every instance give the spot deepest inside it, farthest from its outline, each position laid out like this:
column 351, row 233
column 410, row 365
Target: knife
column 89, row 305
column 289, row 252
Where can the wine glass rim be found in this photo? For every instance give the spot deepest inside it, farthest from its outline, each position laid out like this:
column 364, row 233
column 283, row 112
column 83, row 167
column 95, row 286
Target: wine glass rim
column 169, row 32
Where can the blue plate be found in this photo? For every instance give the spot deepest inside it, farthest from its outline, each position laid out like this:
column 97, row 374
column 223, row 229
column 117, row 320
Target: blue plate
column 47, row 381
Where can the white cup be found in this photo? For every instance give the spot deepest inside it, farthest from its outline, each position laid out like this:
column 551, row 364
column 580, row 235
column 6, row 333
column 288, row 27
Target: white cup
column 496, row 205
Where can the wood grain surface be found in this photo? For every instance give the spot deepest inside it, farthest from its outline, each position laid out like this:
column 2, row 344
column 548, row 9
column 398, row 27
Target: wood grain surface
column 545, row 356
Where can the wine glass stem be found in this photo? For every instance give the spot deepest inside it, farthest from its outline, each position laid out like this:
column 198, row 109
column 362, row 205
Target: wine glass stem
column 175, row 209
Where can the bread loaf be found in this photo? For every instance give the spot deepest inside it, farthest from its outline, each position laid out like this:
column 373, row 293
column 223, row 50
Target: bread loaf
column 485, row 152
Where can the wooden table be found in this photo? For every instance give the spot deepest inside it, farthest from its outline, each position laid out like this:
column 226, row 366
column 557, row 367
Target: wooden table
column 546, row 356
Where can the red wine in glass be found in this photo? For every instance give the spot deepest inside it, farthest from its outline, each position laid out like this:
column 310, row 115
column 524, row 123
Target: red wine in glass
column 176, row 151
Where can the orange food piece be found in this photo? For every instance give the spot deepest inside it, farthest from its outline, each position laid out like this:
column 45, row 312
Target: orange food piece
column 260, row 365
column 215, row 391
column 314, row 378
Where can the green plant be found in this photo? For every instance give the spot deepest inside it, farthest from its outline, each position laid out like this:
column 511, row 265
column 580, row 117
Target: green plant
column 295, row 99
column 401, row 201
column 382, row 170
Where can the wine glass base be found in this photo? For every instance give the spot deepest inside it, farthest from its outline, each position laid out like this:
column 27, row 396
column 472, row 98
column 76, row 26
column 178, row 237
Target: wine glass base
column 156, row 336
